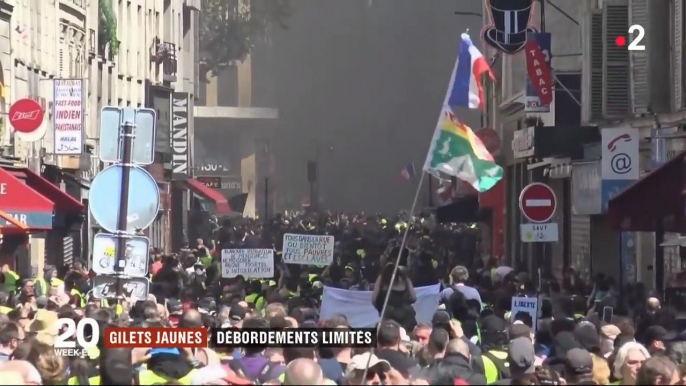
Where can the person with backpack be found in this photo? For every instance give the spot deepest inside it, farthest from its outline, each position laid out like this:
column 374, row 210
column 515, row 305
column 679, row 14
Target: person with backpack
column 460, row 276
column 494, row 345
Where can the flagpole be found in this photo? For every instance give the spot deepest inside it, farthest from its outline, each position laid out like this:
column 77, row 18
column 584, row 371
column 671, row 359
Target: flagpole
column 395, row 266
column 413, row 207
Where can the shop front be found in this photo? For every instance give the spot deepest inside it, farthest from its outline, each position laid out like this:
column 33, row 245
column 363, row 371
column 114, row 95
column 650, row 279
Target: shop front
column 44, row 212
column 656, row 203
column 205, row 203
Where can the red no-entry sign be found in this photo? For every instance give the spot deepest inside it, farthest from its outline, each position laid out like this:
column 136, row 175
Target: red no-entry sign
column 537, row 202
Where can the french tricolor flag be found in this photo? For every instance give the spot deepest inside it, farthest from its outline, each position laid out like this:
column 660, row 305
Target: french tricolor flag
column 465, row 87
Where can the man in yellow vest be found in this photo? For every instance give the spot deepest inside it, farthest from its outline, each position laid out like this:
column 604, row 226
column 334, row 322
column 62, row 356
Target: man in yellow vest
column 49, row 281
column 494, row 343
column 10, row 279
column 167, row 365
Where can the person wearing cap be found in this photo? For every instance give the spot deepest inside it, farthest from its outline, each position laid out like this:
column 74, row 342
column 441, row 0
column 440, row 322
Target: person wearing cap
column 521, row 359
column 355, row 370
column 494, row 345
column 236, row 314
column 655, row 338
column 167, row 365
column 460, row 276
column 578, row 367
column 608, row 334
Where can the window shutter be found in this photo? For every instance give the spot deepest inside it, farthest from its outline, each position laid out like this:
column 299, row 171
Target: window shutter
column 640, row 93
column 677, row 54
column 615, row 60
column 596, row 105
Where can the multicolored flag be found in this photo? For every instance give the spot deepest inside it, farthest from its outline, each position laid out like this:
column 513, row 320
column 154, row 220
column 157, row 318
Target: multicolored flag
column 408, row 172
column 455, row 150
column 465, row 88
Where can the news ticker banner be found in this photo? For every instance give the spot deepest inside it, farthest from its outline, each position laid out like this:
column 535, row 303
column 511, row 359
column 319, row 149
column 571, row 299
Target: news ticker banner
column 126, row 337
column 307, row 249
column 250, row 263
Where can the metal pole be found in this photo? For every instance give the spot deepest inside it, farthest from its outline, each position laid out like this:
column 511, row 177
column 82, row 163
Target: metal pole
column 127, row 158
column 431, row 195
column 266, row 198
column 542, row 15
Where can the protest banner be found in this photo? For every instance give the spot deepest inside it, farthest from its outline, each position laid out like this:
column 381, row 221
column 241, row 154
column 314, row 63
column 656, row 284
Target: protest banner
column 524, row 305
column 249, row 263
column 307, row 249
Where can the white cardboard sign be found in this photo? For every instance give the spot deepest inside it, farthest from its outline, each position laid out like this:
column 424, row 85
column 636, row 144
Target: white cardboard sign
column 526, row 305
column 249, row 263
column 307, row 249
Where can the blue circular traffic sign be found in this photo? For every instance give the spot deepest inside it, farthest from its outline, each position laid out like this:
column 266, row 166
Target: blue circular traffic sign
column 105, row 199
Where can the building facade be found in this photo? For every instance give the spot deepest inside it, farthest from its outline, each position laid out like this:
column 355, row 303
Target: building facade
column 112, row 53
column 641, row 89
column 531, row 141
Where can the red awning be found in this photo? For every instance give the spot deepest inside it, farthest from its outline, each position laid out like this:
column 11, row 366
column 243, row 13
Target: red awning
column 23, row 203
column 658, row 197
column 200, row 189
column 64, row 202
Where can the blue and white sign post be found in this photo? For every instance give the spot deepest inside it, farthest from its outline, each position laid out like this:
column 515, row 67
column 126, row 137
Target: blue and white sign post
column 127, row 139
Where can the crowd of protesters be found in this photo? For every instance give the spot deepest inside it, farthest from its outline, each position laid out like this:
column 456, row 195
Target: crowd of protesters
column 472, row 338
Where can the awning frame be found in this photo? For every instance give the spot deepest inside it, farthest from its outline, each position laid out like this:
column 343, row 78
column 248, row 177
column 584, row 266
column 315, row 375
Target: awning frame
column 662, row 196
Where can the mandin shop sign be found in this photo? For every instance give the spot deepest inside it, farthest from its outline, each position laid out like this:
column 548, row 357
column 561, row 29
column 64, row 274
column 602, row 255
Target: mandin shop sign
column 179, row 141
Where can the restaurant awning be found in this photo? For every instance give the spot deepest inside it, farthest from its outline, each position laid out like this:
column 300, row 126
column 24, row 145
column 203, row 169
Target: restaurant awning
column 24, row 204
column 64, row 202
column 197, row 187
column 657, row 198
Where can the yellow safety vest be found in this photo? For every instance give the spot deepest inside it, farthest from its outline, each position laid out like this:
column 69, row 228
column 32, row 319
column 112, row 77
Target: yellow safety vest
column 256, row 299
column 5, row 310
column 76, row 292
column 491, row 371
column 148, row 377
column 54, row 282
column 91, row 381
column 11, row 278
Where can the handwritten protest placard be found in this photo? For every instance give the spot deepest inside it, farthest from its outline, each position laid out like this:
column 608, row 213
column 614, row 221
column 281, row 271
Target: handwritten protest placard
column 525, row 308
column 249, row 263
column 307, row 249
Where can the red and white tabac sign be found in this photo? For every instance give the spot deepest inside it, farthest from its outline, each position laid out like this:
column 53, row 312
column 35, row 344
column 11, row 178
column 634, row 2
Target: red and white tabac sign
column 26, row 117
column 537, row 202
column 538, row 69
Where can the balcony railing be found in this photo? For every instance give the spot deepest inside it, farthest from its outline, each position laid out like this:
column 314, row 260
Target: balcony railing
column 165, row 53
